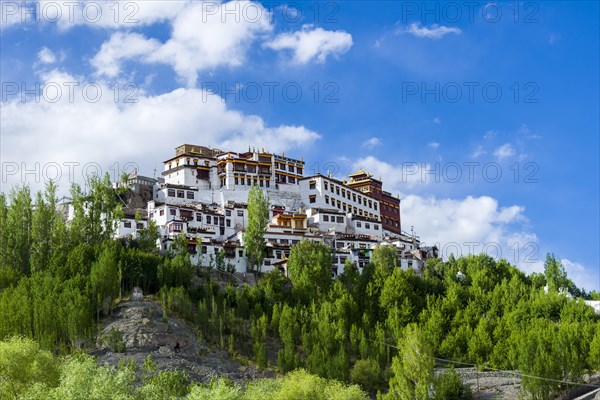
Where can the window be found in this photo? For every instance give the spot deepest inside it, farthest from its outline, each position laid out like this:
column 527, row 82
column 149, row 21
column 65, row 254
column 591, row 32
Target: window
column 248, row 181
column 198, row 217
column 291, row 168
column 342, row 259
column 325, row 218
column 236, row 180
column 268, row 184
column 176, row 227
column 172, row 211
column 208, row 219
column 331, row 188
column 358, row 224
column 278, row 254
column 190, row 195
column 340, row 220
column 240, row 213
column 344, row 207
column 222, row 221
column 261, row 183
column 171, row 192
column 312, row 185
column 162, row 212
column 376, row 227
column 367, row 225
column 228, row 222
column 359, row 200
column 326, row 199
column 370, row 204
column 312, row 199
column 299, row 170
column 151, row 215
column 343, row 193
column 337, row 190
column 283, row 241
column 240, row 253
column 228, row 213
column 204, row 249
column 127, row 224
column 295, row 242
column 180, row 194
column 354, row 197
column 326, row 185
column 140, row 225
column 375, row 205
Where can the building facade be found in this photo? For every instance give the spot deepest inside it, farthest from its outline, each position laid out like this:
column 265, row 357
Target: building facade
column 203, row 191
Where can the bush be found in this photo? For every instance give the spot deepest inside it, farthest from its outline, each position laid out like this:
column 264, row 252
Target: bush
column 114, row 341
column 367, row 374
column 448, row 386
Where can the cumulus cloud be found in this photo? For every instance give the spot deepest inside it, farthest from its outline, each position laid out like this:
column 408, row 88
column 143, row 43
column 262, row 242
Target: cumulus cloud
column 433, row 145
column 119, row 47
column 371, row 143
column 103, row 131
column 312, row 44
column 478, row 152
column 46, row 56
column 200, row 40
column 405, row 176
column 435, row 31
column 504, row 151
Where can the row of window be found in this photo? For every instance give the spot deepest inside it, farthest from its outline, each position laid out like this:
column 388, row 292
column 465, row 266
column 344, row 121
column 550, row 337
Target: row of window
column 367, row 225
column 139, row 225
column 389, row 207
column 283, row 241
column 248, row 181
column 284, row 179
column 290, row 168
column 344, row 207
column 333, row 218
column 346, row 193
column 180, row 194
column 390, row 221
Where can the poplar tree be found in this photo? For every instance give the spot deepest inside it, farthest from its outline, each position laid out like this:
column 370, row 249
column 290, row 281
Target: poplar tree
column 254, row 237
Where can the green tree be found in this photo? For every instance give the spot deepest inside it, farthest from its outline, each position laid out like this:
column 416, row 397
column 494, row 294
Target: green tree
column 258, row 219
column 104, row 277
column 412, row 369
column 309, row 266
column 555, row 273
column 18, row 231
column 43, row 237
column 22, row 364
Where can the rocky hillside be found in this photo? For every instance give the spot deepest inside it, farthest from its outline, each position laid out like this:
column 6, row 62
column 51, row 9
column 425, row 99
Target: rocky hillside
column 171, row 344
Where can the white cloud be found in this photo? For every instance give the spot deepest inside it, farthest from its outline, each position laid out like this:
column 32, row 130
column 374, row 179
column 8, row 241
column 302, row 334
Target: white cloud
column 406, row 176
column 46, row 56
column 371, row 143
column 312, row 44
column 122, row 46
column 199, row 41
column 580, row 275
column 478, row 152
column 433, row 145
column 490, row 134
column 435, row 31
column 106, row 132
column 437, row 121
column 504, row 151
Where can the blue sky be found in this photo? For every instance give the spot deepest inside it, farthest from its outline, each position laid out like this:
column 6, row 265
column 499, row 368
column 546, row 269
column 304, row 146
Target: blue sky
column 397, row 88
